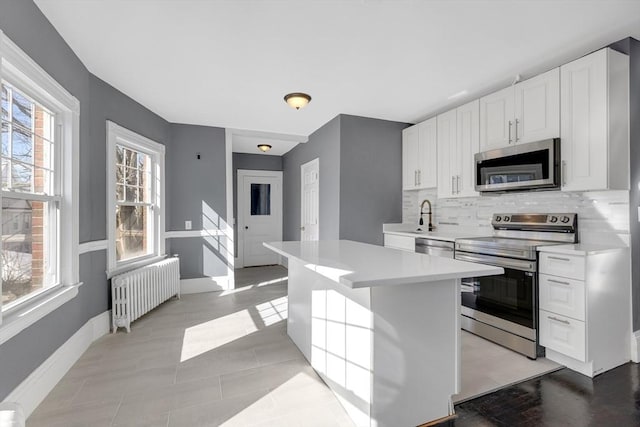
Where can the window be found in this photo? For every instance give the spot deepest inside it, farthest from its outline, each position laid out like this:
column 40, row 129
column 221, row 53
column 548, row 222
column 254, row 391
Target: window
column 39, row 246
column 135, row 213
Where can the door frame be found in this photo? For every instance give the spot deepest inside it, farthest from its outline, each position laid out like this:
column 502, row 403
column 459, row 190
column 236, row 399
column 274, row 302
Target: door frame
column 241, row 174
column 302, row 169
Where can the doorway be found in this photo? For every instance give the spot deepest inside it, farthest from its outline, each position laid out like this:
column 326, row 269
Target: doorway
column 259, row 216
column 310, row 200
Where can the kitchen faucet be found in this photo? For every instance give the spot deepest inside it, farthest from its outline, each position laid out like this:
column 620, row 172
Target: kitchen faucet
column 422, row 212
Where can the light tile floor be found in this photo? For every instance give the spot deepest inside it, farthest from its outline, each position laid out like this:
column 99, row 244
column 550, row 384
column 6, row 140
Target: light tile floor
column 224, row 359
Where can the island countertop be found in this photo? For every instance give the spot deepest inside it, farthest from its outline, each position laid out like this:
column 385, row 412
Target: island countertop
column 361, row 265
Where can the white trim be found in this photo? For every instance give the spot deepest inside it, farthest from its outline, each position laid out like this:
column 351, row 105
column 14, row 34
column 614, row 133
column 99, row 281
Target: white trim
column 176, row 234
column 32, row 391
column 138, row 263
column 92, row 246
column 241, row 174
column 635, row 347
column 205, row 284
column 117, row 134
column 26, row 314
column 228, row 225
column 16, row 61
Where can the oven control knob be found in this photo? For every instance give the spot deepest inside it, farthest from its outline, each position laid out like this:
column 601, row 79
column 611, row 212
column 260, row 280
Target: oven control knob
column 565, row 219
column 554, row 219
column 498, row 218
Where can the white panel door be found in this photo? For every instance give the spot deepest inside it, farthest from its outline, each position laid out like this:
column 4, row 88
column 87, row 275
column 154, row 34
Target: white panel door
column 310, row 200
column 427, row 149
column 496, row 120
column 410, row 143
column 537, row 108
column 260, row 216
column 447, row 154
column 468, row 136
column 584, row 123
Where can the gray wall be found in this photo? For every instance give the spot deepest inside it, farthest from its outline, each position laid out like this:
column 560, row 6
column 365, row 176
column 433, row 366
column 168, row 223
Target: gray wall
column 260, row 162
column 370, row 177
column 23, row 22
column 324, row 144
column 196, row 191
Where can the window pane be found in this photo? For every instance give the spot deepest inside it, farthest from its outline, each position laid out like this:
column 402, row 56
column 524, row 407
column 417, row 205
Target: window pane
column 5, row 139
column 260, row 199
column 5, row 103
column 22, row 145
column 21, row 176
column 22, row 110
column 24, row 248
column 131, row 231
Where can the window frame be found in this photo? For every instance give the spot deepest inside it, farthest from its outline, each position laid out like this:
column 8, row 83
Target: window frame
column 21, row 72
column 118, row 135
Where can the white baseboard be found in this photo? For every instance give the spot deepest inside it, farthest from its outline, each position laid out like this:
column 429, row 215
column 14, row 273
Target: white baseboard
column 635, row 347
column 32, row 391
column 204, row 284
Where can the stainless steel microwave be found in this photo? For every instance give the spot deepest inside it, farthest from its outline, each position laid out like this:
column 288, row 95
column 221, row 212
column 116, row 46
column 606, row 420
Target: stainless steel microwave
column 530, row 166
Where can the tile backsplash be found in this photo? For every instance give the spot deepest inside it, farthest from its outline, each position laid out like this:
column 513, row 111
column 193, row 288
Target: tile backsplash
column 603, row 216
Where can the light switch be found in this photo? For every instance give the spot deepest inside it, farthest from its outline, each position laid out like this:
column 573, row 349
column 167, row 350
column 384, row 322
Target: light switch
column 187, row 225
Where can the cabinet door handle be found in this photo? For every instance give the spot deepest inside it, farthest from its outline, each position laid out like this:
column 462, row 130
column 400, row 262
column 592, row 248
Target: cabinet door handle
column 510, row 140
column 564, row 172
column 566, row 322
column 517, row 138
column 559, row 282
column 453, row 184
column 419, row 177
column 557, row 258
column 457, row 184
column 415, row 178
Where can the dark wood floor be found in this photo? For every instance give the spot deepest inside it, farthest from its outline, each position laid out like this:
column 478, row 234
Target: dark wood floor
column 562, row 398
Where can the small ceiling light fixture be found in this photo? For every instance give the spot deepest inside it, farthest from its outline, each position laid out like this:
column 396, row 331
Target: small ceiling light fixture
column 264, row 147
column 297, row 100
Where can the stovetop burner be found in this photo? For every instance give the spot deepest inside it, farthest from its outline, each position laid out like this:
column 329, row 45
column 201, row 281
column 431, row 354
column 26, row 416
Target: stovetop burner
column 519, row 235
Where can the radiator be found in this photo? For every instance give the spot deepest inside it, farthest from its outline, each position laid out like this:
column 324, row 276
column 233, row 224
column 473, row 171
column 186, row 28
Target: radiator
column 139, row 291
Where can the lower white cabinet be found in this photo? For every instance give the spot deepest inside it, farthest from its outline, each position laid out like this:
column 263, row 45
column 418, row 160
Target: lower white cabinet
column 563, row 334
column 396, row 241
column 585, row 314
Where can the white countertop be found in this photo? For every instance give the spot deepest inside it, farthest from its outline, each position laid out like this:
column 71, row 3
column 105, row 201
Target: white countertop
column 581, row 249
column 409, row 230
column 361, row 265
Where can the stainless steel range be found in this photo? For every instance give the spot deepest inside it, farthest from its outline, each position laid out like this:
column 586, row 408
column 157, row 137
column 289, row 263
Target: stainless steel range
column 504, row 308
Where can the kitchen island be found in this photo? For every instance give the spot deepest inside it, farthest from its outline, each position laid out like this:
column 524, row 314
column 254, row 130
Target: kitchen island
column 380, row 326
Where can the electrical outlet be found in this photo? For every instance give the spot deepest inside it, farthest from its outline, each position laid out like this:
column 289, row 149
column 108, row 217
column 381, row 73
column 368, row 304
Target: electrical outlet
column 187, row 225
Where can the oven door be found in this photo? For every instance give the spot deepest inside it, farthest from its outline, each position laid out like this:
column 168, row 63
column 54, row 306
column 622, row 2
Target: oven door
column 507, row 301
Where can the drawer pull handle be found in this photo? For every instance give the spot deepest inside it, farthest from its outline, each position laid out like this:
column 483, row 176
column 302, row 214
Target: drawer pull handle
column 566, row 322
column 559, row 258
column 559, row 282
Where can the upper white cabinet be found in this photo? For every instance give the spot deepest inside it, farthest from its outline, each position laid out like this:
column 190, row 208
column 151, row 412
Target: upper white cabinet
column 525, row 112
column 419, row 156
column 595, row 122
column 458, row 141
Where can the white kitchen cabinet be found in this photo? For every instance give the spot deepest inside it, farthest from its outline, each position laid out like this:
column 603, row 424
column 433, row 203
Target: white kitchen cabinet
column 525, row 112
column 585, row 316
column 458, row 142
column 419, row 156
column 595, row 122
column 395, row 241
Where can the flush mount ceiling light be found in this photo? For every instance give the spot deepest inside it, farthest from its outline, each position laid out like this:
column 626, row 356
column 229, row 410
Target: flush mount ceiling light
column 264, row 147
column 297, row 100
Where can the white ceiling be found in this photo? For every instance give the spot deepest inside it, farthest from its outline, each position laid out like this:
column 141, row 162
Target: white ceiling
column 229, row 63
column 247, row 142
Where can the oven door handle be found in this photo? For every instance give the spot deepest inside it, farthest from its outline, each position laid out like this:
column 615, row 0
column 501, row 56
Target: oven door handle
column 497, row 261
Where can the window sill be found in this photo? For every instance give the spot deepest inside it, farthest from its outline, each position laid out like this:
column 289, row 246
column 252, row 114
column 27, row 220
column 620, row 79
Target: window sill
column 134, row 264
column 26, row 314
